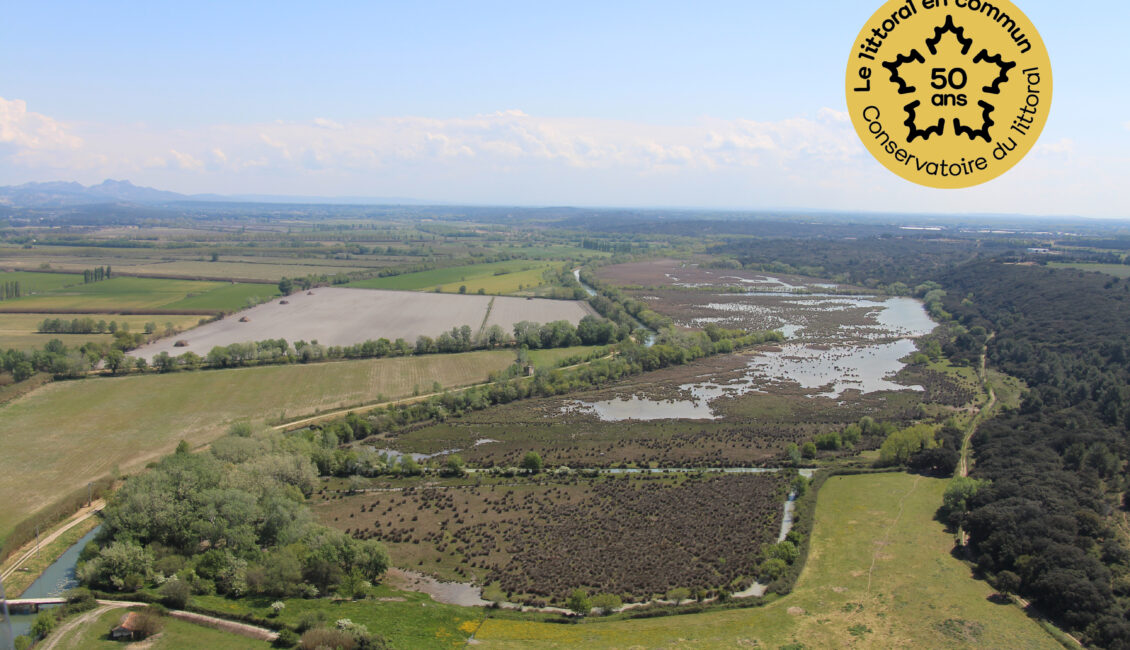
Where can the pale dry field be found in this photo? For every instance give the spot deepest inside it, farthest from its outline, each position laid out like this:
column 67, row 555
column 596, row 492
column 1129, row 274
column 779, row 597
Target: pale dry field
column 336, row 316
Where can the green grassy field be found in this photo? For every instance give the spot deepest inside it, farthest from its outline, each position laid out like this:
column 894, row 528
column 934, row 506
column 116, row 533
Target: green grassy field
column 122, row 293
column 517, row 272
column 57, row 438
column 177, row 634
column 227, row 297
column 552, row 357
column 32, row 282
column 879, row 574
column 408, row 620
column 20, row 331
column 1117, row 270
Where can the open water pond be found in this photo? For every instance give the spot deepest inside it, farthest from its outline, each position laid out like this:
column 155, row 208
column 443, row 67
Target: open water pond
column 637, row 408
column 865, row 368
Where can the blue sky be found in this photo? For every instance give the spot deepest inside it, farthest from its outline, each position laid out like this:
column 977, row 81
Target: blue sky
column 649, row 104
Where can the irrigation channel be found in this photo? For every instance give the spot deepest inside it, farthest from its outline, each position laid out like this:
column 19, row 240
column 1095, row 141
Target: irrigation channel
column 651, row 334
column 54, row 581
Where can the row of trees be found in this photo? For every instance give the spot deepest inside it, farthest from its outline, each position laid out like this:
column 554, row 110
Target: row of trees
column 617, row 307
column 288, row 286
column 66, row 362
column 87, row 325
column 10, row 290
column 590, row 331
column 97, row 274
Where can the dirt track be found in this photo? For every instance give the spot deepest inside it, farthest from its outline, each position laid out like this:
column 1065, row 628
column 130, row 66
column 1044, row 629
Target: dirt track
column 28, row 550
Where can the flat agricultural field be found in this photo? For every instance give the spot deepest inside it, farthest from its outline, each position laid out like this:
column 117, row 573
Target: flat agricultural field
column 32, row 282
column 58, row 437
column 336, row 316
column 879, row 574
column 141, row 294
column 226, row 297
column 537, row 540
column 551, row 357
column 236, row 270
column 493, row 278
column 21, row 331
column 506, row 311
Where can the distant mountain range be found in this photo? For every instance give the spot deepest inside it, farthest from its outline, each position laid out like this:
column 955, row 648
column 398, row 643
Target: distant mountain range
column 61, row 193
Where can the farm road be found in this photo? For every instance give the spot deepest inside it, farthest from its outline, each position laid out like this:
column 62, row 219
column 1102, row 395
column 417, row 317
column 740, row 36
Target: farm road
column 242, row 629
column 982, row 413
column 28, row 550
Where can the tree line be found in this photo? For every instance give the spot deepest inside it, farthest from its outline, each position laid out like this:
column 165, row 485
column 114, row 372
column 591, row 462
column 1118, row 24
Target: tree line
column 69, row 362
column 590, row 331
column 10, row 290
column 621, row 309
column 1050, row 477
column 87, row 325
column 97, row 274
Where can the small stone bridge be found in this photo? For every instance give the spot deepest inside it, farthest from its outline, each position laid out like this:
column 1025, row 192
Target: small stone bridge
column 32, row 605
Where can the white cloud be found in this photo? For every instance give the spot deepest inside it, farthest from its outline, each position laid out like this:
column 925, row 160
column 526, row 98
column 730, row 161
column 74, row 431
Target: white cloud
column 510, row 156
column 1061, row 147
column 31, row 131
column 506, row 138
column 186, row 161
column 328, row 124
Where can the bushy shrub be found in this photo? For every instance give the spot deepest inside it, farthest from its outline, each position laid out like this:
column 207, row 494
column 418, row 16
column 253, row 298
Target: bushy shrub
column 771, row 569
column 286, row 639
column 175, row 593
column 310, row 619
column 830, row 441
column 579, row 602
column 606, row 603
column 149, row 622
column 79, row 599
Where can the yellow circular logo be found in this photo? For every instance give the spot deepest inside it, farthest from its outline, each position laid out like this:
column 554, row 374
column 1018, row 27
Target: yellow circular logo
column 949, row 93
